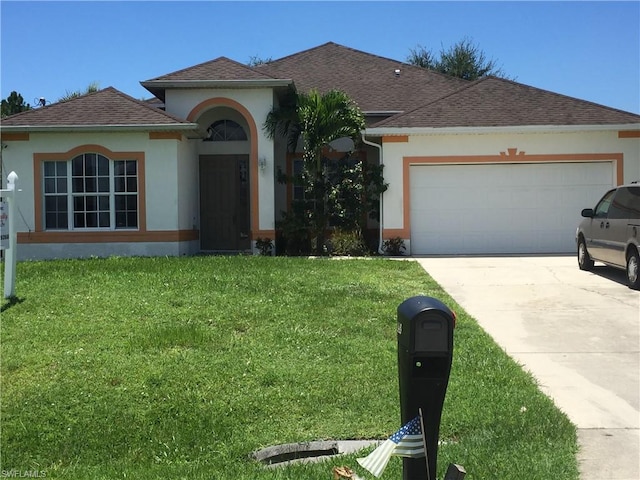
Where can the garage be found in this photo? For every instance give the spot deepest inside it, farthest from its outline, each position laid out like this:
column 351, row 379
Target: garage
column 502, row 208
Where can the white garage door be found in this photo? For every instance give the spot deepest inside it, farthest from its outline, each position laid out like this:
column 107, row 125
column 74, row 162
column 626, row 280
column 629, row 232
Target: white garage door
column 513, row 208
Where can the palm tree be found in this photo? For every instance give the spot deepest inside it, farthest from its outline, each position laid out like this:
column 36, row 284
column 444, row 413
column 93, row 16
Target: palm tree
column 319, row 119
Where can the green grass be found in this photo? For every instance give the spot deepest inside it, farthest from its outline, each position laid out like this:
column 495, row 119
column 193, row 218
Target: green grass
column 158, row 368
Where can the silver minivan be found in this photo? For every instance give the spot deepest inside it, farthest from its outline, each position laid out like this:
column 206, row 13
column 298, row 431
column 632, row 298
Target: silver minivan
column 610, row 232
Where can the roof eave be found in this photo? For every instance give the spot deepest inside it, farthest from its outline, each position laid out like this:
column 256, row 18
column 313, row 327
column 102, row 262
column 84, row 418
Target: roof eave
column 164, row 84
column 101, row 128
column 158, row 87
column 379, row 131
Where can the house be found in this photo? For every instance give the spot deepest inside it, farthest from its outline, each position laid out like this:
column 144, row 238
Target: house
column 489, row 167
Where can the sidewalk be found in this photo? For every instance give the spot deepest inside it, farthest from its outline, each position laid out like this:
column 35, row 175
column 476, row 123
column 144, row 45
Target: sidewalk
column 578, row 333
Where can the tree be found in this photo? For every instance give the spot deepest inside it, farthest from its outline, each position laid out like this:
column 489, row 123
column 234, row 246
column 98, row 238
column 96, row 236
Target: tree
column 254, row 60
column 354, row 189
column 318, row 119
column 13, row 104
column 464, row 60
column 68, row 95
column 422, row 57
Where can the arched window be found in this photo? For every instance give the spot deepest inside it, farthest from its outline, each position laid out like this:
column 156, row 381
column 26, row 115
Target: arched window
column 225, row 131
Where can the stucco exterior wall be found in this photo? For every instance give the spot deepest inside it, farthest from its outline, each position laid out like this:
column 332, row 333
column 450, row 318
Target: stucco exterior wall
column 17, row 156
column 187, row 185
column 51, row 251
column 164, row 212
column 171, row 171
column 258, row 103
column 545, row 144
column 162, row 185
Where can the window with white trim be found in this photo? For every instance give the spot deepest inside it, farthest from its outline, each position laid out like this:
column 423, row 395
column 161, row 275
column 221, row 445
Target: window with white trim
column 90, row 191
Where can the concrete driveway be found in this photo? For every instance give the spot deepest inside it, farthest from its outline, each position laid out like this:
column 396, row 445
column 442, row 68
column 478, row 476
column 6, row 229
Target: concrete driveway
column 577, row 332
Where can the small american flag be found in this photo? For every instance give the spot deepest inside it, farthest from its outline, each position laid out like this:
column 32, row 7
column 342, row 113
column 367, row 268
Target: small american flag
column 406, row 442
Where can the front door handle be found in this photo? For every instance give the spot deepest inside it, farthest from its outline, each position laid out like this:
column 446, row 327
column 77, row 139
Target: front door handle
column 604, row 224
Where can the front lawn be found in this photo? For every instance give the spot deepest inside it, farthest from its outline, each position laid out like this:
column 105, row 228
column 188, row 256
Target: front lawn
column 169, row 368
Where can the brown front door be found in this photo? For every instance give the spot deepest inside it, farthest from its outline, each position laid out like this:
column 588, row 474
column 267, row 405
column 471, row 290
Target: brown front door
column 224, row 202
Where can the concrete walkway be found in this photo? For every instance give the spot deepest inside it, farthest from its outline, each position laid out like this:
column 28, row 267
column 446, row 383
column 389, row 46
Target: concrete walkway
column 577, row 332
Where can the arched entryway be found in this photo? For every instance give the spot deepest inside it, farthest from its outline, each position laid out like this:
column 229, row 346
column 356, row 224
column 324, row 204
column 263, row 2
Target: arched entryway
column 227, row 175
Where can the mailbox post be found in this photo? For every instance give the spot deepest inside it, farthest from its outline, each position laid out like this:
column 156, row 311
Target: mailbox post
column 425, row 352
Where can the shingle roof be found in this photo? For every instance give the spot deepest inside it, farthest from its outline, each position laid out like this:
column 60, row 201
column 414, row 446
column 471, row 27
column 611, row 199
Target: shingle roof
column 496, row 102
column 416, row 97
column 211, row 74
column 221, row 68
column 104, row 107
column 370, row 80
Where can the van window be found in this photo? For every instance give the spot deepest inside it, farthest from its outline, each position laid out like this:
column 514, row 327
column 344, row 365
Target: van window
column 603, row 205
column 626, row 203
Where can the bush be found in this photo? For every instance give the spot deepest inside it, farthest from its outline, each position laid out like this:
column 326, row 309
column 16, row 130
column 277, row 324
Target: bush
column 264, row 246
column 349, row 243
column 394, row 247
column 294, row 234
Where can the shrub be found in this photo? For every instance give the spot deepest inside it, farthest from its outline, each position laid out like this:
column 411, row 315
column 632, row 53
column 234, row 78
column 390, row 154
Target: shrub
column 294, row 233
column 394, row 247
column 264, row 246
column 348, row 243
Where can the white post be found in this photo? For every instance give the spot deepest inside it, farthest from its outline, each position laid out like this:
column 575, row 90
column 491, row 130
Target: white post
column 10, row 253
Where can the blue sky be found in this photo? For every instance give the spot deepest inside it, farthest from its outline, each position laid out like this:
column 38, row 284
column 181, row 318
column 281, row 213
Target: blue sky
column 587, row 50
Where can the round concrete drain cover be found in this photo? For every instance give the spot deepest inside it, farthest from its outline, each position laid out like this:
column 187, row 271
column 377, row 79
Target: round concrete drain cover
column 284, row 454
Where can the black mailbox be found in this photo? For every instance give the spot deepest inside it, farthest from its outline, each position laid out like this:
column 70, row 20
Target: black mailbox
column 425, row 352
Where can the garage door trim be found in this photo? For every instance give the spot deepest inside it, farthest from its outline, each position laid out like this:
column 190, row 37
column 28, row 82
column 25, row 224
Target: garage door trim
column 512, row 155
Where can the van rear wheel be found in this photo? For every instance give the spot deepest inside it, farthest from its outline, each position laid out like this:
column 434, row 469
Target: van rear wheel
column 585, row 262
column 633, row 275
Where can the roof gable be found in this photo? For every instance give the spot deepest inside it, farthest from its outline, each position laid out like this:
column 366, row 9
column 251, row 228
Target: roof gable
column 221, row 68
column 375, row 83
column 497, row 102
column 219, row 72
column 107, row 107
